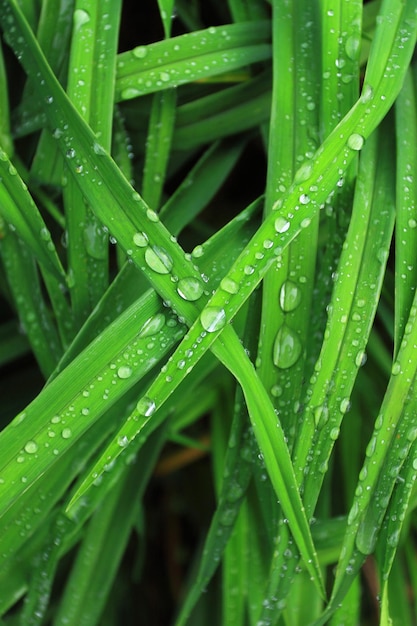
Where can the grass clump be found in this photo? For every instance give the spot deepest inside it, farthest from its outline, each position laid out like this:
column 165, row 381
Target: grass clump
column 207, row 270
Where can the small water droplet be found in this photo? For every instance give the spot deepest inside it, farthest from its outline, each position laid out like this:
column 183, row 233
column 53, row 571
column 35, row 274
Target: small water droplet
column 305, row 222
column 287, row 348
column 304, row 198
column 122, row 441
column 158, row 260
column 344, row 405
column 412, row 223
column 146, row 406
column 355, row 141
column 190, row 288
column 70, row 153
column 66, row 433
column 289, row 296
column 31, row 447
column 213, row 318
column 140, row 52
column 367, row 93
column 164, row 76
column 396, row 368
column 281, row 225
column 152, row 216
column 124, row 371
column 229, row 285
column 248, row 270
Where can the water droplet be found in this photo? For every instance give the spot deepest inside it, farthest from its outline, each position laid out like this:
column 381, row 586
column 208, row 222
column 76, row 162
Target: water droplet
column 141, row 240
column 31, row 447
column 305, row 222
column 229, row 285
column 124, row 371
column 98, row 149
column 248, row 270
column 129, row 93
column 146, row 406
column 158, row 260
column 140, row 52
column 289, row 296
column 334, row 433
column 81, row 17
column 367, row 93
column 213, row 318
column 287, row 348
column 122, row 441
column 352, row 47
column 344, row 405
column 412, row 223
column 190, row 288
column 303, row 173
column 281, row 225
column 152, row 216
column 304, row 198
column 152, row 326
column 396, row 368
column 197, row 252
column 164, row 76
column 66, row 433
column 355, row 141
column 70, row 153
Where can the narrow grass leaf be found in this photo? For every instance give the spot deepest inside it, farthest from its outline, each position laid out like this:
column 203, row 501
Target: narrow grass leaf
column 406, row 231
column 190, row 57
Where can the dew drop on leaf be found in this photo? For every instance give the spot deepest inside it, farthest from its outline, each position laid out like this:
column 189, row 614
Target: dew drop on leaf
column 229, row 285
column 153, row 325
column 352, row 47
column 213, row 318
column 281, row 225
column 140, row 52
column 190, row 288
column 81, row 17
column 287, row 348
column 158, row 260
column 66, row 433
column 141, row 240
column 152, row 216
column 146, row 406
column 355, row 141
column 31, row 447
column 124, row 371
column 289, row 296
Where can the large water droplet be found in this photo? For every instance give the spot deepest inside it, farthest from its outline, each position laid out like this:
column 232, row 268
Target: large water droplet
column 289, row 296
column 352, row 47
column 229, row 285
column 213, row 318
column 281, row 225
column 190, row 288
column 81, row 17
column 31, row 447
column 146, row 406
column 66, row 433
column 158, row 260
column 287, row 348
column 355, row 141
column 152, row 326
column 304, row 172
column 124, row 371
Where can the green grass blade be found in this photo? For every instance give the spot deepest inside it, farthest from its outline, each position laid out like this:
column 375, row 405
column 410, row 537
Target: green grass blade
column 406, row 233
column 190, row 57
column 19, row 210
column 158, row 146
